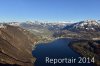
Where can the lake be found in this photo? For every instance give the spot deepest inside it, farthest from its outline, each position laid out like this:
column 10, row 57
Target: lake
column 57, row 49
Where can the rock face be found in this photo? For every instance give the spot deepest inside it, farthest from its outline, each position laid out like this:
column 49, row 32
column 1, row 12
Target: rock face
column 16, row 46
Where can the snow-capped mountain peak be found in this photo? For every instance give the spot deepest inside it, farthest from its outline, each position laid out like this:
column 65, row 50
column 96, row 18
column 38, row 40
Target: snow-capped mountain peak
column 85, row 25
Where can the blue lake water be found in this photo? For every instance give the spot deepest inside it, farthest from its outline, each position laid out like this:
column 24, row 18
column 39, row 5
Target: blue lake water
column 56, row 49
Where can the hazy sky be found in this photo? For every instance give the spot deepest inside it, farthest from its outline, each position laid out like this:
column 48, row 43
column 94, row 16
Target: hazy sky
column 49, row 10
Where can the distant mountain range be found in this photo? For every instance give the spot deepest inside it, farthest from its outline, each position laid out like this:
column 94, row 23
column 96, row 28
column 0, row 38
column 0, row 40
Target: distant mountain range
column 88, row 25
column 50, row 26
column 89, row 29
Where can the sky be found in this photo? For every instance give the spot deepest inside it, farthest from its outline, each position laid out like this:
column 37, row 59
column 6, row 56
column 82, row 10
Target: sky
column 49, row 10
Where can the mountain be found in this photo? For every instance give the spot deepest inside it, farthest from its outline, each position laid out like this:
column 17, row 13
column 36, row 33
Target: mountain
column 48, row 25
column 89, row 29
column 43, row 30
column 16, row 46
column 88, row 25
column 38, row 29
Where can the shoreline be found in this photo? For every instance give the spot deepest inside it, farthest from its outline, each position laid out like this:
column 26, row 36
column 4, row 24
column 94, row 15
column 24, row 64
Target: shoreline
column 71, row 43
column 76, row 50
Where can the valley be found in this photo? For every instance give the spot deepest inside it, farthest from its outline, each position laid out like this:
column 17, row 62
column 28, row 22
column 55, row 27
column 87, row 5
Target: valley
column 23, row 38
